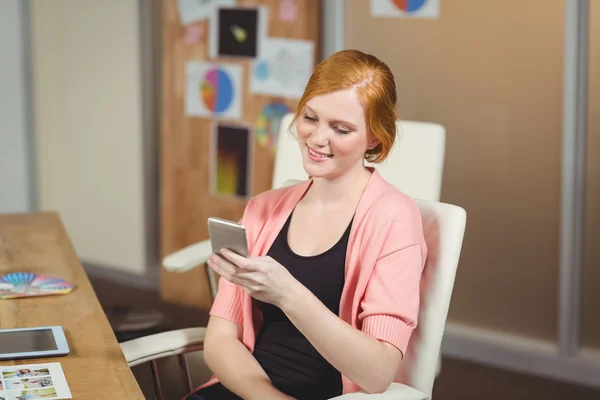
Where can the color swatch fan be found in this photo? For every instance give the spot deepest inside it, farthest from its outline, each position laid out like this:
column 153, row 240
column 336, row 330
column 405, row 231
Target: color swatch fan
column 24, row 284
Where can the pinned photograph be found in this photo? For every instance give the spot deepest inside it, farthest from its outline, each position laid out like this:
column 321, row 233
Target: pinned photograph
column 194, row 33
column 230, row 159
column 196, row 10
column 238, row 32
column 284, row 68
column 288, row 10
column 213, row 90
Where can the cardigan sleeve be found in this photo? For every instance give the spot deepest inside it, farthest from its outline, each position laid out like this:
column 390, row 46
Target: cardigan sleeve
column 390, row 306
column 228, row 302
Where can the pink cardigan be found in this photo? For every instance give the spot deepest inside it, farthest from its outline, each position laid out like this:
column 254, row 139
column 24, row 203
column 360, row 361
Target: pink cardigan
column 385, row 257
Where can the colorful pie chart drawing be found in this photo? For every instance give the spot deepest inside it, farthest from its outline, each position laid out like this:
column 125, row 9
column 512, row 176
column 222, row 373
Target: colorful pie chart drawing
column 405, row 8
column 213, row 90
column 216, row 90
column 409, row 6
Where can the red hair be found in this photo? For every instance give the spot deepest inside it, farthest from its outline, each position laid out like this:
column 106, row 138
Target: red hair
column 374, row 82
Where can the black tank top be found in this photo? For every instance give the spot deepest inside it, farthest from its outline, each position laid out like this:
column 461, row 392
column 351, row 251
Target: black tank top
column 288, row 358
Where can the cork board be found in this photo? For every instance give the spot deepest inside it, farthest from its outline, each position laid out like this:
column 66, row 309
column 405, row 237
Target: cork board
column 189, row 143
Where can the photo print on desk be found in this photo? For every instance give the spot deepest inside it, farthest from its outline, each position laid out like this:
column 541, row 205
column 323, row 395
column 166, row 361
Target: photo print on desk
column 284, row 68
column 213, row 90
column 231, row 160
column 238, row 32
column 33, row 381
column 196, row 10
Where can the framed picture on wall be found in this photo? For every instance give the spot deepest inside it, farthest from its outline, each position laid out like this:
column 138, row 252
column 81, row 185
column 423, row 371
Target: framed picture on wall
column 238, row 32
column 231, row 160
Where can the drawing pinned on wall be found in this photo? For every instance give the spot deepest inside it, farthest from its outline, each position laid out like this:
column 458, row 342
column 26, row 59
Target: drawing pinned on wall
column 284, row 68
column 237, row 31
column 268, row 124
column 405, row 8
column 288, row 10
column 194, row 33
column 195, row 10
column 230, row 161
column 213, row 90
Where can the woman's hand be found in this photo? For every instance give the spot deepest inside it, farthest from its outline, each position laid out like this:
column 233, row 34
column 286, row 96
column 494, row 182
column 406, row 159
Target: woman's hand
column 261, row 277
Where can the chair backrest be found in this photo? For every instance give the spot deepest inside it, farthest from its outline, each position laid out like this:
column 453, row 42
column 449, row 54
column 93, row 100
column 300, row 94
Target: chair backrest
column 415, row 164
column 444, row 227
column 288, row 160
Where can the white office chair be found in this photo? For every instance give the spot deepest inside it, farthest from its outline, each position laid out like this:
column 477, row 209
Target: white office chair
column 444, row 227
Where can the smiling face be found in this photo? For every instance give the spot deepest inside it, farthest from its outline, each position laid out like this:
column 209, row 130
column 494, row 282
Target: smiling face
column 332, row 134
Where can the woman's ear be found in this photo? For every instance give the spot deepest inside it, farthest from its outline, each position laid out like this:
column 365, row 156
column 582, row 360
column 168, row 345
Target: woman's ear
column 373, row 143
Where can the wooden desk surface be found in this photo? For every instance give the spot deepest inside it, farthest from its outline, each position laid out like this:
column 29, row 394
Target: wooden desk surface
column 96, row 367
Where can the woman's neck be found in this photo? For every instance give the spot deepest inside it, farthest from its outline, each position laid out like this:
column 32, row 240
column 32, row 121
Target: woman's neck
column 342, row 189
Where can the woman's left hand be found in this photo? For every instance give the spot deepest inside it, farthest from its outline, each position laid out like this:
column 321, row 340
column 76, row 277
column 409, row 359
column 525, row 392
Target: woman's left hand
column 261, row 277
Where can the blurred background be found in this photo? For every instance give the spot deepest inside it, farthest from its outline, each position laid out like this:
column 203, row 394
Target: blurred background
column 94, row 124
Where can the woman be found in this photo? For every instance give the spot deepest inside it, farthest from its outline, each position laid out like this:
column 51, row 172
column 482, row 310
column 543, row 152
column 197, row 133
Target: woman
column 329, row 296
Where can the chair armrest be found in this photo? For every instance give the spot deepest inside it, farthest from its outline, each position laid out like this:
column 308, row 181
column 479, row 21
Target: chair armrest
column 164, row 344
column 189, row 257
column 396, row 391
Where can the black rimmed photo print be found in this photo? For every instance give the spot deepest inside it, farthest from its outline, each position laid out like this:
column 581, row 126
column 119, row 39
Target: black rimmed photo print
column 238, row 31
column 231, row 160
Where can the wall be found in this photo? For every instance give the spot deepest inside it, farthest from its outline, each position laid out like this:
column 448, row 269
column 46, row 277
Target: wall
column 495, row 83
column 590, row 334
column 91, row 129
column 16, row 167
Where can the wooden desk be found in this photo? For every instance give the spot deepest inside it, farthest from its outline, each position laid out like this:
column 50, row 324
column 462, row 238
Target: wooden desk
column 96, row 367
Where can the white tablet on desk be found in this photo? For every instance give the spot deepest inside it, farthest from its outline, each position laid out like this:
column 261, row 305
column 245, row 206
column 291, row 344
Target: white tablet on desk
column 38, row 342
